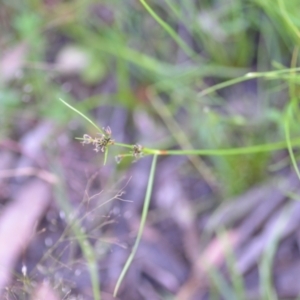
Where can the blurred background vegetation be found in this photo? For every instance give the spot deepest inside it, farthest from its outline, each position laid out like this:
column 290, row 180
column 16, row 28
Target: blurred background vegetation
column 153, row 71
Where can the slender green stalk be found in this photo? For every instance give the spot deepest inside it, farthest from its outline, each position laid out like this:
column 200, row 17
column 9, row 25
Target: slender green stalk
column 235, row 276
column 142, row 225
column 218, row 280
column 90, row 256
column 218, row 152
column 270, row 75
column 289, row 143
column 82, row 239
column 124, row 145
column 169, row 30
column 288, row 20
column 83, row 115
column 105, row 156
column 231, row 151
column 266, row 265
column 288, row 116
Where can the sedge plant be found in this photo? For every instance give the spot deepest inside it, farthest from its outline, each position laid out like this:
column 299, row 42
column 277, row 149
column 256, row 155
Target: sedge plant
column 105, row 140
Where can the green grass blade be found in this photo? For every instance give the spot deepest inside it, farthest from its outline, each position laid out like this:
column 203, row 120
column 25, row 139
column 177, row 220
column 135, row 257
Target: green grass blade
column 231, row 261
column 105, row 156
column 169, row 30
column 278, row 74
column 81, row 237
column 142, row 225
column 289, row 116
column 268, row 258
column 285, row 15
column 218, row 280
column 230, row 151
column 81, row 114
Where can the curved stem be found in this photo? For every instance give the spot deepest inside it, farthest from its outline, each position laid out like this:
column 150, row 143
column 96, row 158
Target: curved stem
column 216, row 152
column 142, row 225
column 231, row 151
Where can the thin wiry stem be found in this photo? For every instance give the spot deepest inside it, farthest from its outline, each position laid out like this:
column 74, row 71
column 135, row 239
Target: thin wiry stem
column 142, row 225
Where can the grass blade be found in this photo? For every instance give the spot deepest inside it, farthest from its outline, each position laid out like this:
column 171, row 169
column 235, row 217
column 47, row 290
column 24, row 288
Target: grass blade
column 169, row 30
column 105, row 156
column 142, row 225
column 222, row 287
column 267, row 287
column 231, row 262
column 81, row 114
column 81, row 237
column 288, row 115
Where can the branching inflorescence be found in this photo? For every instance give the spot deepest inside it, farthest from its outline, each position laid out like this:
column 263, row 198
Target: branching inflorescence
column 100, row 143
column 105, row 140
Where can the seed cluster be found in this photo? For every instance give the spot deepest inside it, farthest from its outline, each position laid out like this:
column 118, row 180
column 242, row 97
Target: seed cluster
column 104, row 140
column 137, row 151
column 101, row 142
